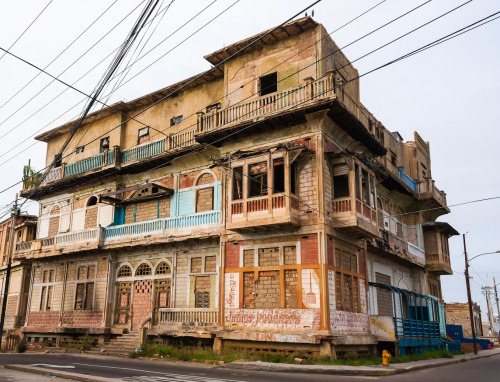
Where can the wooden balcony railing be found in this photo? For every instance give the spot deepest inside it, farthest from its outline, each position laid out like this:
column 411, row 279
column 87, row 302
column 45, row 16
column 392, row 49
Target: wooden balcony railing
column 428, row 189
column 350, row 213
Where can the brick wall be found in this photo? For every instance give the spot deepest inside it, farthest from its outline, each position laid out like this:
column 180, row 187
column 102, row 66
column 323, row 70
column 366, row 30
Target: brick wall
column 164, row 210
column 361, row 262
column 205, row 179
column 43, row 318
column 248, row 258
column 205, row 199
column 269, row 257
column 233, row 255
column 142, row 302
column 53, row 226
column 90, row 217
column 384, row 297
column 458, row 314
column 147, row 210
column 210, row 264
column 83, row 318
column 291, row 299
column 330, row 251
column 308, row 191
column 267, row 290
column 309, row 250
column 196, row 263
column 290, row 253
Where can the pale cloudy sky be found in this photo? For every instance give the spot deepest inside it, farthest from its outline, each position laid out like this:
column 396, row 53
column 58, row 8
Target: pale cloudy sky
column 449, row 94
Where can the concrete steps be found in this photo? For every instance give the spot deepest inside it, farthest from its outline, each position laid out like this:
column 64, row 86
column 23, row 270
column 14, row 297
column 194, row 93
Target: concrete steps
column 122, row 345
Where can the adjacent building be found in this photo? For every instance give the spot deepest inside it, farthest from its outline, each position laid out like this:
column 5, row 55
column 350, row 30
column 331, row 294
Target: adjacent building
column 258, row 205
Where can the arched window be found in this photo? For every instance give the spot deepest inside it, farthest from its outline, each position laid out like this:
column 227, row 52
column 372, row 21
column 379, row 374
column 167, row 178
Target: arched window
column 124, row 271
column 163, row 268
column 54, row 221
column 143, row 270
column 91, row 213
column 205, row 196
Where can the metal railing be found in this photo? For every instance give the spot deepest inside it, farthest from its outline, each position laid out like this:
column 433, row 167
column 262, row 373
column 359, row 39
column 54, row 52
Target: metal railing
column 143, row 151
column 409, row 181
column 181, row 315
column 159, row 225
column 84, row 165
column 416, row 251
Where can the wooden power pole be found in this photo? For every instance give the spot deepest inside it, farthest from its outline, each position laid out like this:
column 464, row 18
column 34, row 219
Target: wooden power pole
column 467, row 283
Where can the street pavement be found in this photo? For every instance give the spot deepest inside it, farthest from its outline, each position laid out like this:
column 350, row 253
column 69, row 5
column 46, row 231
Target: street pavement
column 132, row 370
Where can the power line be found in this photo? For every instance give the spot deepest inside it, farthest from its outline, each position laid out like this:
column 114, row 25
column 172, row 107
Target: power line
column 28, row 27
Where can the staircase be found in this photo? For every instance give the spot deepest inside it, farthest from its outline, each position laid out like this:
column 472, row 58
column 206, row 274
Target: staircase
column 122, row 345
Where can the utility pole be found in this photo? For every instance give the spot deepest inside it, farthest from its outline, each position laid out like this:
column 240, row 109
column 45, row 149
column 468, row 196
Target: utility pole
column 496, row 298
column 467, row 283
column 9, row 266
column 491, row 318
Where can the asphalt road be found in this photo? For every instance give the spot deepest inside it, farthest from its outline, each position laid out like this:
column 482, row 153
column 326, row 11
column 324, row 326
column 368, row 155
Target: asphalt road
column 487, row 369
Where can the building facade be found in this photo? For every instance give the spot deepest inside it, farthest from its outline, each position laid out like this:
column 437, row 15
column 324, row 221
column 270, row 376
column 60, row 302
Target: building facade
column 257, row 205
column 458, row 314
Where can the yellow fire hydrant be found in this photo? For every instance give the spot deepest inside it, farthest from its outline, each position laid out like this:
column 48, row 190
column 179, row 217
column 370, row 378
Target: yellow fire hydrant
column 386, row 357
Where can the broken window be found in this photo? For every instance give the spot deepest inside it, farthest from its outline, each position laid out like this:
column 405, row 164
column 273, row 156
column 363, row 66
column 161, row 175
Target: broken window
column 84, row 296
column 176, row 120
column 356, row 179
column 104, row 144
column 364, row 187
column 372, row 192
column 278, row 175
column 143, row 135
column 341, row 186
column 258, row 179
column 237, row 183
column 268, row 84
column 80, row 149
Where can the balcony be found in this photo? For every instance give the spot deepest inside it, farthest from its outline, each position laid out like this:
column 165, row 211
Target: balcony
column 265, row 211
column 437, row 252
column 433, row 198
column 187, row 320
column 172, row 226
column 360, row 221
column 290, row 105
column 403, row 251
column 62, row 243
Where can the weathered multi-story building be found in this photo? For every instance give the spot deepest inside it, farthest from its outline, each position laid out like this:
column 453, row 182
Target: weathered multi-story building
column 458, row 314
column 15, row 313
column 252, row 206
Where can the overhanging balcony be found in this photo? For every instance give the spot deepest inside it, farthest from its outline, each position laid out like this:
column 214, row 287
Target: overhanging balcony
column 355, row 217
column 401, row 250
column 166, row 227
column 290, row 106
column 263, row 211
column 433, row 198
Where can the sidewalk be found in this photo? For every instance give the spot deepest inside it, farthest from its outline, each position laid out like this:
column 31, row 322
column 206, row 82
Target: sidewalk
column 357, row 370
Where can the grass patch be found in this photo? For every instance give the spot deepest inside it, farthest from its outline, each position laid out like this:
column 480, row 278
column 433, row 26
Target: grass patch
column 207, row 355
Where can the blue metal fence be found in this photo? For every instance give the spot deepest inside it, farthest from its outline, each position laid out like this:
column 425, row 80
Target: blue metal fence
column 410, row 182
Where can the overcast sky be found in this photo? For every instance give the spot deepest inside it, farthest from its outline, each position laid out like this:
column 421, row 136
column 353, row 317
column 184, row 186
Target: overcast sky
column 449, row 94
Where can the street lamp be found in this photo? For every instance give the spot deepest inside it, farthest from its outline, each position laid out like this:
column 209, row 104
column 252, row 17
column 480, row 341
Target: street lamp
column 472, row 323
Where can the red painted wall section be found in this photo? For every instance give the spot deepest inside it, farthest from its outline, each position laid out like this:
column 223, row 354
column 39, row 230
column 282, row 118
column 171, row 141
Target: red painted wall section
column 361, row 262
column 330, row 251
column 309, row 250
column 233, row 254
column 43, row 318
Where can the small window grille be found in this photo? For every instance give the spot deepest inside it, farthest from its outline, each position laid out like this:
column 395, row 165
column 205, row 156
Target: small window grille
column 80, row 149
column 202, row 300
column 125, row 271
column 163, row 269
column 143, row 270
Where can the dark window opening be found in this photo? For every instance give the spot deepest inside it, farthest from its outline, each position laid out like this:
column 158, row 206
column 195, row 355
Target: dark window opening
column 237, row 183
column 176, row 120
column 372, row 192
column 364, row 186
column 143, row 135
column 356, row 179
column 269, row 84
column 341, row 186
column 394, row 159
column 293, row 179
column 258, row 179
column 278, row 175
column 92, row 201
column 80, row 149
column 104, row 144
column 154, row 190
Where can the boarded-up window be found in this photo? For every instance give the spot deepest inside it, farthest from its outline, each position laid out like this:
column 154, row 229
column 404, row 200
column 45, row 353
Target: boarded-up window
column 384, row 296
column 90, row 217
column 205, row 199
column 347, row 292
column 248, row 258
column 196, row 263
column 258, row 179
column 53, row 226
column 269, row 257
column 202, row 292
column 80, row 296
column 210, row 264
column 291, row 298
column 290, row 255
column 84, row 296
column 267, row 290
column 89, row 296
column 43, row 298
column 49, row 297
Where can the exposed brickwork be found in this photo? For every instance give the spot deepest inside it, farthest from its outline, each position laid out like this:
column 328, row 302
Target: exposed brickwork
column 205, row 199
column 196, row 263
column 384, row 297
column 205, row 179
column 249, row 290
column 164, row 208
column 269, row 257
column 267, row 290
column 233, row 255
column 309, row 250
column 291, row 300
column 308, row 191
column 147, row 210
column 249, row 258
column 290, row 253
column 458, row 314
column 187, row 180
column 142, row 302
column 210, row 264
column 83, row 318
column 129, row 213
column 361, row 262
column 43, row 318
column 91, row 217
column 53, row 226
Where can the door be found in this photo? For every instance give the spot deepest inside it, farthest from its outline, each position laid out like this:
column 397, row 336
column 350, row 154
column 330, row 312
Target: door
column 162, row 298
column 122, row 308
column 141, row 306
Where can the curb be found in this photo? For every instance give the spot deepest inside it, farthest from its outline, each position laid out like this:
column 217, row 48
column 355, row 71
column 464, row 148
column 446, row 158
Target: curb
column 59, row 373
column 344, row 370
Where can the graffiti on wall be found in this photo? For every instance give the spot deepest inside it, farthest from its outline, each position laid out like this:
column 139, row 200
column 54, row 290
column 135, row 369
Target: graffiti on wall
column 349, row 323
column 310, row 289
column 232, row 291
column 273, row 319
